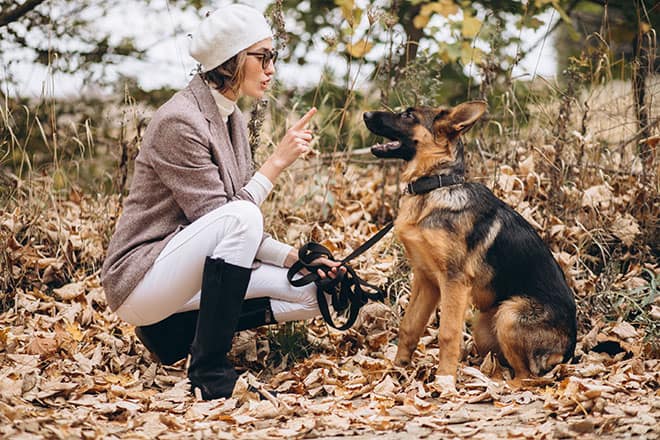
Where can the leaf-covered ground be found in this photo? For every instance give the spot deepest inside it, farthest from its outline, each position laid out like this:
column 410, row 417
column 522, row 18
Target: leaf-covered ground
column 70, row 369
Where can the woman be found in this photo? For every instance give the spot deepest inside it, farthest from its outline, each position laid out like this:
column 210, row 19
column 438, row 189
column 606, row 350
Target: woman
column 191, row 233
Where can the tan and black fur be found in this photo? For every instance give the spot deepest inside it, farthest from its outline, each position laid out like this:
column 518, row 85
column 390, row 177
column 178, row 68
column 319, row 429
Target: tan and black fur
column 466, row 247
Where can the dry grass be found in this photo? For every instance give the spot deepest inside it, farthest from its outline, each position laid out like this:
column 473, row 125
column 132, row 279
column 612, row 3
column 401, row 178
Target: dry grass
column 61, row 348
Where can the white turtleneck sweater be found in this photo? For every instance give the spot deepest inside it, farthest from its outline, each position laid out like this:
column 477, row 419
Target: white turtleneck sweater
column 225, row 105
column 271, row 250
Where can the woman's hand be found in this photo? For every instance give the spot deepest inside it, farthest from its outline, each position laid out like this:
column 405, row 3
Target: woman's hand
column 294, row 144
column 336, row 267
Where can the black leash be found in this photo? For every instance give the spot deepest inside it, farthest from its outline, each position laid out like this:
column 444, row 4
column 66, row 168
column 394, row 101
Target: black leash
column 347, row 291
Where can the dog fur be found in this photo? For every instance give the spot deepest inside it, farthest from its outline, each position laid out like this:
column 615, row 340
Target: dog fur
column 467, row 246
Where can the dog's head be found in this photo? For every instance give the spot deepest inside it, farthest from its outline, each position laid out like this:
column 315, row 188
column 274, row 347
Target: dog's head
column 424, row 134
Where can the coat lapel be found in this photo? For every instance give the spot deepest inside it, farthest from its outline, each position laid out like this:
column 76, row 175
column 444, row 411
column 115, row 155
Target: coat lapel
column 221, row 142
column 241, row 145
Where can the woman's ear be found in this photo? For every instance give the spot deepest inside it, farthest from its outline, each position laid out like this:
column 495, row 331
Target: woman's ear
column 463, row 116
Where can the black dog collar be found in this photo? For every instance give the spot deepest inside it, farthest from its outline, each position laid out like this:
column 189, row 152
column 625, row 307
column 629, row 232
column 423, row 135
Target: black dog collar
column 429, row 183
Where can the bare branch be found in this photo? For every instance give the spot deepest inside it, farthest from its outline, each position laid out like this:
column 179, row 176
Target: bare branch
column 19, row 11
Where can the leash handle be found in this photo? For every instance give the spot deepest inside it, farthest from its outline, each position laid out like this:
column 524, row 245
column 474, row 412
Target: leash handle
column 346, row 291
column 306, row 255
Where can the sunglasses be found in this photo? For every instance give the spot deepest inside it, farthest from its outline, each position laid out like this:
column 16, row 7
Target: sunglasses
column 266, row 57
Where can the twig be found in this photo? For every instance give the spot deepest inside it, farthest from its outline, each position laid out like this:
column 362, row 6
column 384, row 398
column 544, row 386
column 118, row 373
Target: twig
column 640, row 134
column 19, row 11
column 358, row 152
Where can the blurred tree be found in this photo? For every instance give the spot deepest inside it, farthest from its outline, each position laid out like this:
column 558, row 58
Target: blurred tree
column 59, row 33
column 64, row 35
column 616, row 32
column 389, row 36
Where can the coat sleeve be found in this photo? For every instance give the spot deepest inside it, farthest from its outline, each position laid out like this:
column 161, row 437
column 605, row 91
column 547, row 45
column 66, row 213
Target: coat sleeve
column 272, row 251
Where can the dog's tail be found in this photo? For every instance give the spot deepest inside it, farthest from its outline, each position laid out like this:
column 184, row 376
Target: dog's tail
column 530, row 336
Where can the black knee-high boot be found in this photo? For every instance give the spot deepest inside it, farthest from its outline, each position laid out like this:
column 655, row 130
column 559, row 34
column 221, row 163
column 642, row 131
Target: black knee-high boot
column 169, row 340
column 223, row 290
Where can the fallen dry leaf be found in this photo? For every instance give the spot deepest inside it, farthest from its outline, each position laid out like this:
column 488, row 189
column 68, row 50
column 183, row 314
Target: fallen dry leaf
column 70, row 291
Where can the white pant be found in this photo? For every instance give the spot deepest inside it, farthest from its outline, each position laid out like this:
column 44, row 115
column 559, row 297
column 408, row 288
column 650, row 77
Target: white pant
column 232, row 232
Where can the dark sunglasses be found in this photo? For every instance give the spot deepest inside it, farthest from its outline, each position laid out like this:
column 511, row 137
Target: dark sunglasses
column 266, row 57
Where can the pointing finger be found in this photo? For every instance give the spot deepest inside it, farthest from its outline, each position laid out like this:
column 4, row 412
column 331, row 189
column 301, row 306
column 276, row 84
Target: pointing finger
column 304, row 120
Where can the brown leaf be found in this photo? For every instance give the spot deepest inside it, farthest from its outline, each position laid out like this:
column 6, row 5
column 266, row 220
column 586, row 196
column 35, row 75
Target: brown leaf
column 171, row 422
column 653, row 314
column 626, row 228
column 598, row 197
column 43, row 346
column 70, row 291
column 583, row 426
column 624, row 330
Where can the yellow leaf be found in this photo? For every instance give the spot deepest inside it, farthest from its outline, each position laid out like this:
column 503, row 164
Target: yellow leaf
column 118, row 379
column 564, row 16
column 359, row 49
column 346, row 8
column 59, row 179
column 471, row 26
column 443, row 7
column 3, row 336
column 450, row 52
column 420, row 21
column 74, row 330
column 351, row 13
column 39, row 294
column 471, row 54
column 531, row 22
column 444, row 56
column 541, row 3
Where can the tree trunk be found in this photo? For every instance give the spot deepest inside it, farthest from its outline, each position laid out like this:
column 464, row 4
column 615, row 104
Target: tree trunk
column 643, row 62
column 413, row 35
column 641, row 67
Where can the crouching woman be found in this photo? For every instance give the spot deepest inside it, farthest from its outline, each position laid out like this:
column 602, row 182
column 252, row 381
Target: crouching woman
column 189, row 262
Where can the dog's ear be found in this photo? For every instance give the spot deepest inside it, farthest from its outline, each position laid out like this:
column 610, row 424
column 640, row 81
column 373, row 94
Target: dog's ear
column 462, row 117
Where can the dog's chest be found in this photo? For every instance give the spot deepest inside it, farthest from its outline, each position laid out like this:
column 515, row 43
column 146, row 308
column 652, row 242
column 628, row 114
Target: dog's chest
column 421, row 228
column 436, row 210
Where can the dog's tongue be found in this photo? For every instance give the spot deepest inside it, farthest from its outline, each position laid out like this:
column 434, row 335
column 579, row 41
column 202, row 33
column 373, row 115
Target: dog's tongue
column 381, row 148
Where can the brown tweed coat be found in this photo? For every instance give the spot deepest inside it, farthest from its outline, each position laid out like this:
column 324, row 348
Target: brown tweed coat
column 190, row 163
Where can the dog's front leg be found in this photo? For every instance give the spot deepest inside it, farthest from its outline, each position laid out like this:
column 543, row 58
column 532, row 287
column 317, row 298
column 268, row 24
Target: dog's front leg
column 453, row 305
column 423, row 301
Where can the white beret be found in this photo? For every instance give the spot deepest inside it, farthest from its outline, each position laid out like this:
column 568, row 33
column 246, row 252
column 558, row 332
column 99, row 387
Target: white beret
column 226, row 32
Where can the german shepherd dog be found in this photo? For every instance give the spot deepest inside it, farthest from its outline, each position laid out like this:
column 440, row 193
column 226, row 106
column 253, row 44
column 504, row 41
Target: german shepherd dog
column 467, row 246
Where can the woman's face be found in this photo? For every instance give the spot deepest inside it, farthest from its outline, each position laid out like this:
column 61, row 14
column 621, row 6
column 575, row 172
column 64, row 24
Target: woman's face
column 257, row 78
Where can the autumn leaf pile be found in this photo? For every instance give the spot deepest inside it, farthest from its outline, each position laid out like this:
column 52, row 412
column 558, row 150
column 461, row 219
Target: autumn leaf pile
column 70, row 369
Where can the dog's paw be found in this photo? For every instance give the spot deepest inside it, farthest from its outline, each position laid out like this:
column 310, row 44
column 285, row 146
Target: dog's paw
column 401, row 362
column 443, row 386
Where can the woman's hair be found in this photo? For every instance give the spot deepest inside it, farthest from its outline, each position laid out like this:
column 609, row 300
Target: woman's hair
column 228, row 75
